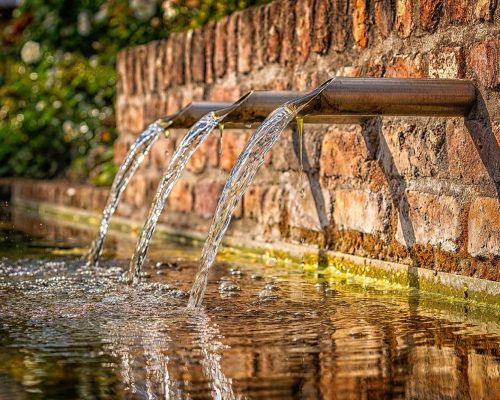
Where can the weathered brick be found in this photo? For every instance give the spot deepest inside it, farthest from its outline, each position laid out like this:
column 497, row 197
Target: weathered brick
column 359, row 23
column 285, row 154
column 207, row 154
column 308, row 207
column 161, row 152
column 340, row 11
column 361, row 210
column 224, row 93
column 122, row 87
column 287, row 23
column 447, row 63
column 343, row 152
column 412, row 150
column 206, row 196
column 259, row 16
column 485, row 9
column 484, row 60
column 321, row 26
column 220, row 47
column 187, row 54
column 232, row 145
column 252, row 202
column 208, row 41
column 484, row 227
column 404, row 17
column 430, row 13
column 140, row 59
column 406, row 66
column 432, row 220
column 456, row 10
column 198, row 56
column 130, row 118
column 464, row 159
column 384, row 16
column 245, row 40
column 273, row 31
column 273, row 204
column 232, row 43
column 121, row 147
column 303, row 16
column 181, row 197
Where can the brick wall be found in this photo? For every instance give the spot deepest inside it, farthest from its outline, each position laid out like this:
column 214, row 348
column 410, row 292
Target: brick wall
column 420, row 191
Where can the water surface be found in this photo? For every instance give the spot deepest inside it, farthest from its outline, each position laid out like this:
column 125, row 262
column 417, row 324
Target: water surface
column 265, row 331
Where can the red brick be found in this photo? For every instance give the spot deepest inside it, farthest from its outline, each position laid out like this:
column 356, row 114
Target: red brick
column 464, row 161
column 162, row 151
column 343, row 152
column 139, row 66
column 273, row 31
column 303, row 16
column 206, row 196
column 406, row 66
column 287, row 23
column 302, row 209
column 447, row 63
column 484, row 227
column 258, row 22
column 252, row 202
column 153, row 66
column 207, row 154
column 245, row 40
column 198, row 56
column 188, row 50
column 180, row 47
column 435, row 220
column 209, row 39
column 224, row 93
column 361, row 210
column 220, row 47
column 340, row 10
column 485, row 9
column 232, row 43
column 384, row 15
column 181, row 197
column 404, row 17
column 168, row 69
column 130, row 118
column 484, row 60
column 413, row 150
column 232, row 145
column 456, row 10
column 430, row 14
column 359, row 23
column 321, row 29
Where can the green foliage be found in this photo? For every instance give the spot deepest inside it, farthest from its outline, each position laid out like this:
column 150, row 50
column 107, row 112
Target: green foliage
column 57, row 78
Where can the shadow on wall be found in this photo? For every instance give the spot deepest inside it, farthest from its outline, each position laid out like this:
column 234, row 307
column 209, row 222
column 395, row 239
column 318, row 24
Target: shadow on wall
column 478, row 124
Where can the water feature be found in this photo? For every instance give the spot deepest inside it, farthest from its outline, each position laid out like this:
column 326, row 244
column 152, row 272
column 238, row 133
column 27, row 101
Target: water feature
column 68, row 332
column 136, row 154
column 240, row 177
column 191, row 141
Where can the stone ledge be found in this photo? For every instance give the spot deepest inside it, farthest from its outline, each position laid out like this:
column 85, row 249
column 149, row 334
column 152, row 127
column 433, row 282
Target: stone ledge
column 361, row 270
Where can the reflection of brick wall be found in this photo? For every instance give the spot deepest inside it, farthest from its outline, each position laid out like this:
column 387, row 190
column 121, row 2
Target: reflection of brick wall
column 400, row 189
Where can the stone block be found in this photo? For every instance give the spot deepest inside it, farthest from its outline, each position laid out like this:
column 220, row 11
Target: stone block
column 359, row 23
column 447, row 63
column 206, row 197
column 484, row 59
column 361, row 210
column 303, row 17
column 430, row 219
column 404, row 17
column 181, row 197
column 233, row 143
column 430, row 14
column 384, row 16
column 321, row 26
column 484, row 227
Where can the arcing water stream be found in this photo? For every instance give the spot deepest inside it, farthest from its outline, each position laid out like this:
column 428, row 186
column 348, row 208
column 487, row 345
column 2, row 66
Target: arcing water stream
column 242, row 174
column 191, row 141
column 127, row 169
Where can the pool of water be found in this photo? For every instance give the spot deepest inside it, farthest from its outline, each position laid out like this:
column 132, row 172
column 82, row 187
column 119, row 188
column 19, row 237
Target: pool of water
column 265, row 331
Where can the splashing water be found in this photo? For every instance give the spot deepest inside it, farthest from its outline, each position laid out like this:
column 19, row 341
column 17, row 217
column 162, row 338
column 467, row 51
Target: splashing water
column 132, row 161
column 242, row 174
column 193, row 139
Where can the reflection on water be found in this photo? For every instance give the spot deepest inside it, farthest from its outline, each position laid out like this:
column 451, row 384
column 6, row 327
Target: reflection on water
column 66, row 332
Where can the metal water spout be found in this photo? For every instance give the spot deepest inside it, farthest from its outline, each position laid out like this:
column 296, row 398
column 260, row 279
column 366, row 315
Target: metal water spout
column 350, row 100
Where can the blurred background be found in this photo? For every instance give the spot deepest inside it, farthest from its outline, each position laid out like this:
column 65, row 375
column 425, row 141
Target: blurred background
column 57, row 77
